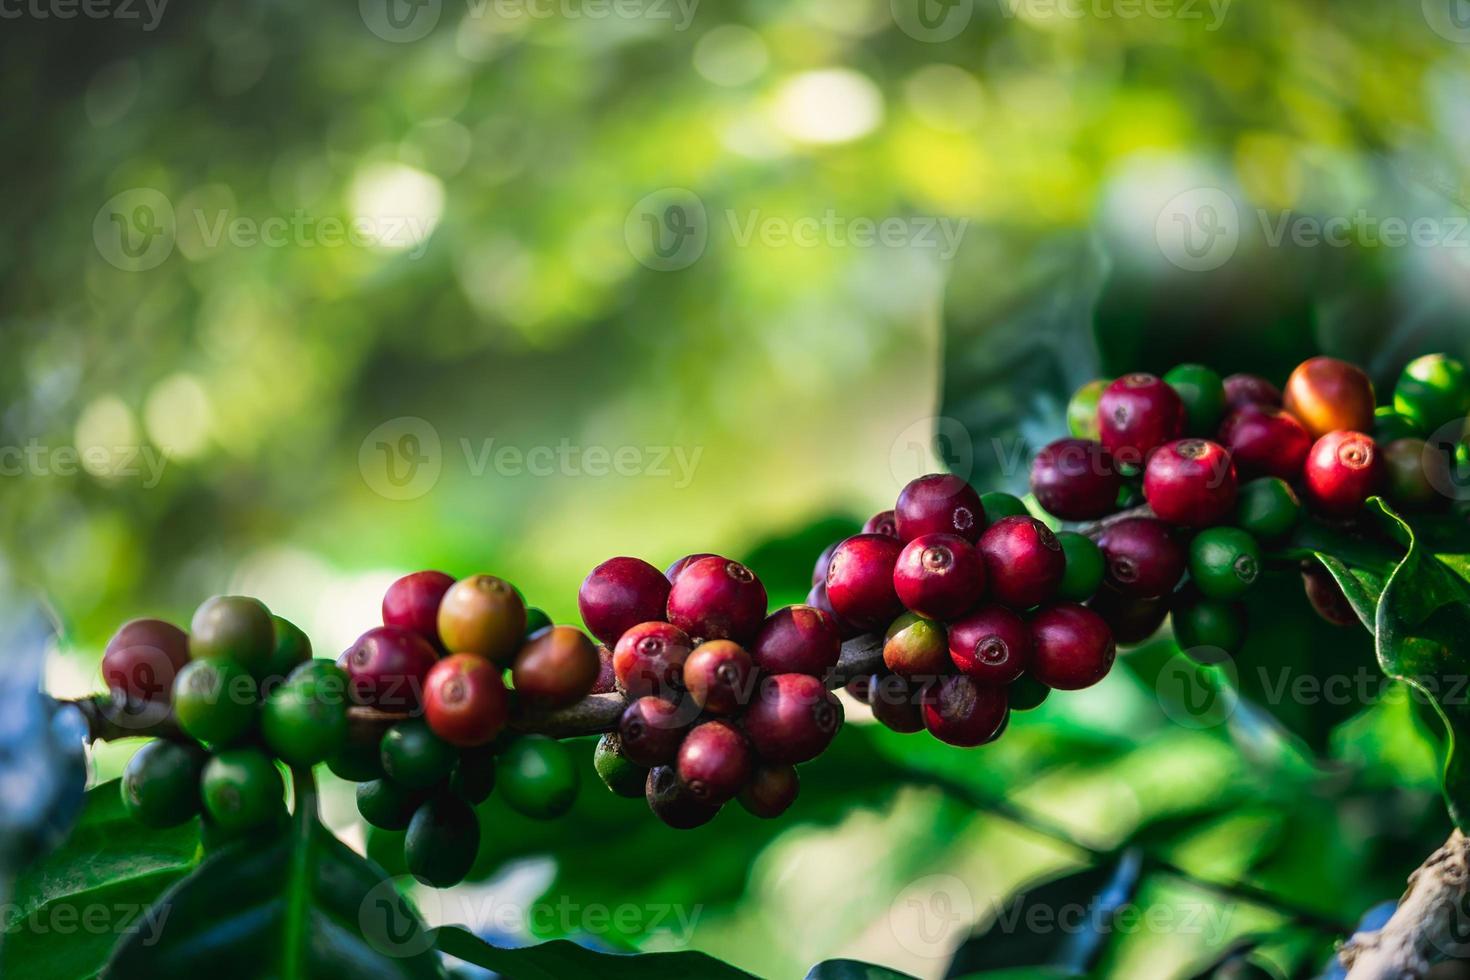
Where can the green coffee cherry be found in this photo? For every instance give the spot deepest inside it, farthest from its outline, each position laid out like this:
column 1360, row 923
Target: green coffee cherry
column 415, row 757
column 160, row 786
column 1224, row 562
column 997, row 505
column 536, row 620
column 1203, row 392
column 1200, row 622
column 1433, row 391
column 616, row 771
column 357, row 762
column 442, row 841
column 1085, row 566
column 1082, row 409
column 242, row 789
column 1389, row 425
column 290, row 650
column 304, row 721
column 538, row 777
column 474, row 777
column 1026, row 693
column 1267, row 508
column 387, row 805
column 236, row 628
column 215, row 700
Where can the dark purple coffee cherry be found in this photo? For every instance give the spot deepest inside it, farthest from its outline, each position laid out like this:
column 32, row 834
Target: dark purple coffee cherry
column 793, row 719
column 1024, row 562
column 718, row 599
column 860, row 580
column 673, row 803
column 1076, row 480
column 958, row 711
column 771, row 791
column 798, row 640
column 714, row 762
column 1137, row 414
column 894, row 701
column 1132, row 620
column 883, row 523
column 651, row 729
column 619, row 594
column 939, row 503
column 1144, row 559
column 1071, row 647
column 991, row 645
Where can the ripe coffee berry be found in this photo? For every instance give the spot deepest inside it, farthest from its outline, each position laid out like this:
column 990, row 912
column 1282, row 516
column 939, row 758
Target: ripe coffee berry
column 607, row 678
column 1326, row 596
column 1082, row 409
column 940, row 576
column 1343, row 470
column 482, row 614
column 1415, row 474
column 916, row 647
column 939, row 503
column 160, row 786
column 386, row 668
column 819, row 570
column 1024, row 563
column 1208, row 623
column 673, row 572
column 236, row 628
column 673, row 803
column 1266, row 441
column 412, row 603
column 1076, row 480
column 1242, row 390
column 1084, row 569
column 997, row 505
column 860, row 580
column 651, row 729
column 1224, row 562
column 465, row 702
column 1267, row 508
column 649, row 659
column 1433, row 391
column 1190, row 482
column 714, row 762
column 557, row 668
column 719, row 676
column 1071, row 647
column 817, row 598
column 1137, row 414
column 1144, row 560
column 617, row 772
column 894, row 701
column 771, row 791
column 797, row 640
column 793, row 719
column 882, row 522
column 1203, row 394
column 1132, row 620
column 1328, row 395
column 143, row 658
column 991, row 645
column 717, row 599
column 959, row 711
column 619, row 594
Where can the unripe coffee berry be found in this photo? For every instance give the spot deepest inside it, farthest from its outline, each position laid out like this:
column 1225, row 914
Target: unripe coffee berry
column 793, row 719
column 1076, row 480
column 940, row 576
column 894, row 701
column 1190, row 482
column 1024, row 563
column 1267, row 508
column 671, row 801
column 236, row 628
column 1144, row 560
column 649, row 659
column 797, row 640
column 412, row 603
column 992, row 645
column 1328, row 395
column 1266, row 441
column 388, row 805
column 1026, row 693
column 1203, row 394
column 442, row 840
column 882, row 522
column 242, row 789
column 482, row 614
column 1389, row 426
column 1343, row 470
column 215, row 700
column 538, row 777
column 143, row 658
column 556, row 669
column 651, row 729
column 997, row 505
column 673, row 572
column 1137, row 414
column 304, row 719
column 1415, row 474
column 1433, row 391
column 619, row 594
column 720, row 676
column 959, row 711
column 771, row 791
column 1224, row 562
column 617, row 772
column 1082, row 409
column 1242, row 390
column 386, row 668
column 939, row 503
column 1211, row 624
column 1071, row 647
column 1085, row 567
column 916, row 647
column 714, row 762
column 160, row 786
column 860, row 580
column 414, row 756
column 465, row 701
column 718, row 599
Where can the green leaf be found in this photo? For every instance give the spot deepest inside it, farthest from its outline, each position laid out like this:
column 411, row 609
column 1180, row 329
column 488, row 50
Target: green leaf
column 68, row 912
column 559, row 958
column 853, row 970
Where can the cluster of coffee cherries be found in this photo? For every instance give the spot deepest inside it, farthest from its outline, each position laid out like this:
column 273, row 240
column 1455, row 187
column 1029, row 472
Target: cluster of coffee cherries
column 724, row 701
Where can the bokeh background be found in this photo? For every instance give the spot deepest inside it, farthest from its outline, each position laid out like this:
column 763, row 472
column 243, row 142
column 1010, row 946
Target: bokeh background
column 299, row 299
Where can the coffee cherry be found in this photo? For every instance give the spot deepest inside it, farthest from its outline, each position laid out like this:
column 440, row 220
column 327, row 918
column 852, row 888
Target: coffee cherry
column 1250, row 389
column 1267, row 508
column 485, row 615
column 412, row 603
column 991, row 645
column 1075, row 480
column 1136, row 414
column 883, row 523
column 997, row 505
column 817, row 598
column 536, row 621
column 649, row 659
column 714, row 762
column 465, row 702
column 621, row 593
column 304, row 720
column 414, row 756
column 771, row 791
column 160, row 786
column 1343, row 470
column 797, row 640
column 291, row 649
column 672, row 573
column 1326, row 596
column 718, row 599
column 1190, row 482
column 556, row 669
column 1024, row 563
column 824, row 560
column 442, row 841
column 719, row 676
column 388, row 805
column 1071, row 647
column 1389, row 426
column 1224, row 562
column 538, row 777
column 1433, row 391
column 242, row 789
column 1026, row 693
column 916, row 647
column 1266, row 441
column 940, row 576
column 857, row 687
column 1203, row 393
column 215, row 700
column 1209, row 623
column 793, row 719
column 939, row 503
column 232, row 627
column 894, row 701
column 1082, row 409
column 959, row 711
column 473, row 779
column 1414, row 472
column 386, row 668
column 1132, row 620
column 1144, row 559
column 860, row 580
column 673, row 803
column 1083, row 573
column 1328, row 395
column 617, row 772
column 651, row 729
column 357, row 762
column 143, row 658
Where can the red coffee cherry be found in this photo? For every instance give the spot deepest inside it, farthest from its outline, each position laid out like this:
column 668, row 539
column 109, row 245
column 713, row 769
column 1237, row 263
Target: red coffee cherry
column 1071, row 647
column 1343, row 470
column 883, row 523
column 412, row 603
column 142, row 659
column 959, row 711
column 607, row 677
column 719, row 676
column 798, row 640
column 1143, row 558
column 714, row 762
column 991, row 645
column 651, row 729
column 793, row 719
column 939, row 503
column 1266, row 441
column 771, row 791
column 672, row 572
column 1137, row 414
column 1191, row 482
column 1076, row 480
column 916, row 647
column 1329, row 395
column 619, row 594
column 817, row 598
column 1326, row 596
column 386, row 668
column 894, row 701
column 1024, row 562
column 860, row 581
column 819, row 570
column 1242, row 390
column 649, row 659
column 1131, row 619
column 556, row 668
column 465, row 702
column 939, row 576
column 718, row 599
column 673, row 803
